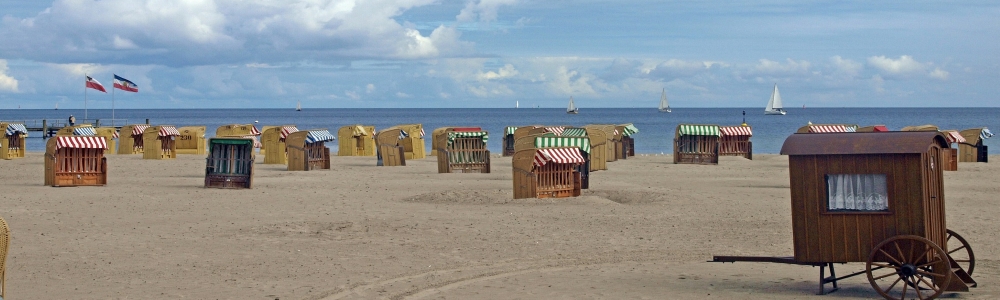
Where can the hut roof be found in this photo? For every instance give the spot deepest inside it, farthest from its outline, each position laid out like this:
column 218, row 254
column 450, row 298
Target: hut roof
column 139, row 128
column 897, row 142
column 564, row 155
column 688, row 129
column 85, row 142
column 509, row 130
column 953, row 136
column 558, row 130
column 630, row 129
column 736, row 131
column 169, row 130
column 452, row 135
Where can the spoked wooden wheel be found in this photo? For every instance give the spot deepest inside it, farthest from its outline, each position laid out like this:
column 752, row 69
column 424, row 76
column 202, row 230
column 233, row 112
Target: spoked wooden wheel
column 908, row 267
column 960, row 251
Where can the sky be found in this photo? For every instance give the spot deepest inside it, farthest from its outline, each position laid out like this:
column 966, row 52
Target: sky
column 495, row 53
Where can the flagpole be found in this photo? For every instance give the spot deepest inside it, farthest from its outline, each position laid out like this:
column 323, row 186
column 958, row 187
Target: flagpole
column 85, row 98
column 112, row 101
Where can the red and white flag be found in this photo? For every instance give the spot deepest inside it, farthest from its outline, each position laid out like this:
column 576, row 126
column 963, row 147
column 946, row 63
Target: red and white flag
column 92, row 83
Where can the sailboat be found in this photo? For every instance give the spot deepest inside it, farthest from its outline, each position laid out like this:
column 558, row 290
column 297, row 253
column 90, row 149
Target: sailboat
column 298, row 106
column 57, row 106
column 664, row 107
column 517, row 104
column 571, row 109
column 774, row 106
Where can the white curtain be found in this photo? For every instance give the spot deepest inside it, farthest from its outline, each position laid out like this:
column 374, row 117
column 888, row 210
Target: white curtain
column 857, row 192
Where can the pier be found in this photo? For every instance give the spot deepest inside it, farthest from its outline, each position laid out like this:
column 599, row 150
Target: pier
column 48, row 128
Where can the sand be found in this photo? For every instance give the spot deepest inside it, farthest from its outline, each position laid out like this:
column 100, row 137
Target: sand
column 644, row 230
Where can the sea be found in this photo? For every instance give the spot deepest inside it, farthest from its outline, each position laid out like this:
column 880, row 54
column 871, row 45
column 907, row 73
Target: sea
column 656, row 130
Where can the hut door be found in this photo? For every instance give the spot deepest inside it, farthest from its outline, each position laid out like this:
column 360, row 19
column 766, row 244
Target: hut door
column 935, row 200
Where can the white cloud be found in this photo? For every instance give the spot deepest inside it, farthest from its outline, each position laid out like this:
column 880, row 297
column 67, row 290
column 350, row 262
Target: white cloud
column 905, row 65
column 506, row 71
column 7, row 83
column 675, row 68
column 571, row 82
column 769, row 67
column 403, row 95
column 482, row 11
column 352, row 94
column 846, row 66
column 878, row 83
column 939, row 74
column 370, row 88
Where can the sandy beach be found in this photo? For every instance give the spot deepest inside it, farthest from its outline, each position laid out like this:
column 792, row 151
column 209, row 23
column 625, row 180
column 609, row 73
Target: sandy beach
column 644, row 230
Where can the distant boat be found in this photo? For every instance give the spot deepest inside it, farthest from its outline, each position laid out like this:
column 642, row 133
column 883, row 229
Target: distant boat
column 774, row 105
column 298, row 106
column 571, row 109
column 517, row 104
column 664, row 107
column 57, row 106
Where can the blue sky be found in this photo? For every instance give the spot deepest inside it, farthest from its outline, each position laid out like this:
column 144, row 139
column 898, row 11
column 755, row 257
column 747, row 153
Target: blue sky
column 491, row 53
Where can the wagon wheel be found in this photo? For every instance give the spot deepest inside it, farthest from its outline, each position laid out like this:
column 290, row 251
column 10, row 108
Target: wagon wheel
column 908, row 265
column 962, row 253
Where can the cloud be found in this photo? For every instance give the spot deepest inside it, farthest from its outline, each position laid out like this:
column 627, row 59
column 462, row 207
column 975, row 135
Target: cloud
column 769, row 67
column 370, row 88
column 506, row 71
column 845, row 66
column 675, row 68
column 939, row 74
column 199, row 32
column 482, row 11
column 905, row 65
column 878, row 83
column 7, row 83
column 571, row 82
column 403, row 95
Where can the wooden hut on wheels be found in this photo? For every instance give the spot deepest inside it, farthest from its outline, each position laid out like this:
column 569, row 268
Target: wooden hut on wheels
column 12, row 142
column 547, row 172
column 463, row 150
column 110, row 135
column 390, row 153
column 696, row 144
column 356, row 140
column 597, row 155
column 273, row 144
column 191, row 140
column 862, row 197
column 132, row 143
column 582, row 144
column 973, row 149
column 628, row 142
column 735, row 141
column 229, row 163
column 307, row 150
column 508, row 140
column 160, row 142
column 76, row 161
column 413, row 144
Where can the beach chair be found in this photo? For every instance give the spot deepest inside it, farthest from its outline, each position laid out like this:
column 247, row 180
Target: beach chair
column 413, row 144
column 160, row 142
column 973, row 149
column 547, row 173
column 508, row 140
column 628, row 142
column 229, row 163
column 356, row 140
column 696, row 144
column 307, row 150
column 528, row 141
column 4, row 247
column 735, row 141
column 612, row 142
column 390, row 152
column 582, row 144
column 75, row 161
column 191, row 140
column 273, row 144
column 132, row 143
column 12, row 144
column 463, row 150
column 110, row 135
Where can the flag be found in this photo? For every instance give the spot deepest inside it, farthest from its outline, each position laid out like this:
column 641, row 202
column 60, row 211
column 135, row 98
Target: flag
column 125, row 84
column 92, row 83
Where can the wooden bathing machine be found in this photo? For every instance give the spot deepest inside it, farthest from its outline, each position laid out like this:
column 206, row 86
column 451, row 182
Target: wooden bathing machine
column 463, row 150
column 307, row 151
column 356, row 140
column 273, row 144
column 390, row 152
column 12, row 142
column 628, row 142
column 160, row 142
column 191, row 140
column 547, row 173
column 696, row 144
column 973, row 149
column 597, row 158
column 735, row 141
column 229, row 163
column 582, row 144
column 413, row 143
column 132, row 143
column 76, row 161
column 508, row 140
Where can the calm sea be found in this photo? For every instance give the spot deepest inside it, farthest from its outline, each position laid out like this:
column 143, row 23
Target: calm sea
column 656, row 130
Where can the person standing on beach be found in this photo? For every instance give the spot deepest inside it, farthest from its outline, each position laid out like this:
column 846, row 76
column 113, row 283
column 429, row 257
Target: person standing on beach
column 72, row 120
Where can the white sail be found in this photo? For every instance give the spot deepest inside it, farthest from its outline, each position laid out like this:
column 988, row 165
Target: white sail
column 571, row 109
column 774, row 106
column 664, row 106
column 298, row 106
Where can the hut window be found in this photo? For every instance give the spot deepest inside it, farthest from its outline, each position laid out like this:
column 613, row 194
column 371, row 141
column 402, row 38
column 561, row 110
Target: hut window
column 857, row 192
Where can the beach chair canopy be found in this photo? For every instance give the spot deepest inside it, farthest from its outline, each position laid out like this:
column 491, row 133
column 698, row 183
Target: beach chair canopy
column 139, row 128
column 509, row 130
column 880, row 128
column 708, row 130
column 952, row 136
column 452, row 135
column 985, row 134
column 84, row 131
column 736, row 131
column 115, row 135
column 629, row 129
column 574, row 132
column 81, row 142
column 315, row 136
column 359, row 130
column 254, row 130
column 555, row 129
column 286, row 130
column 169, row 131
column 14, row 128
column 564, row 155
column 581, row 143
column 830, row 128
